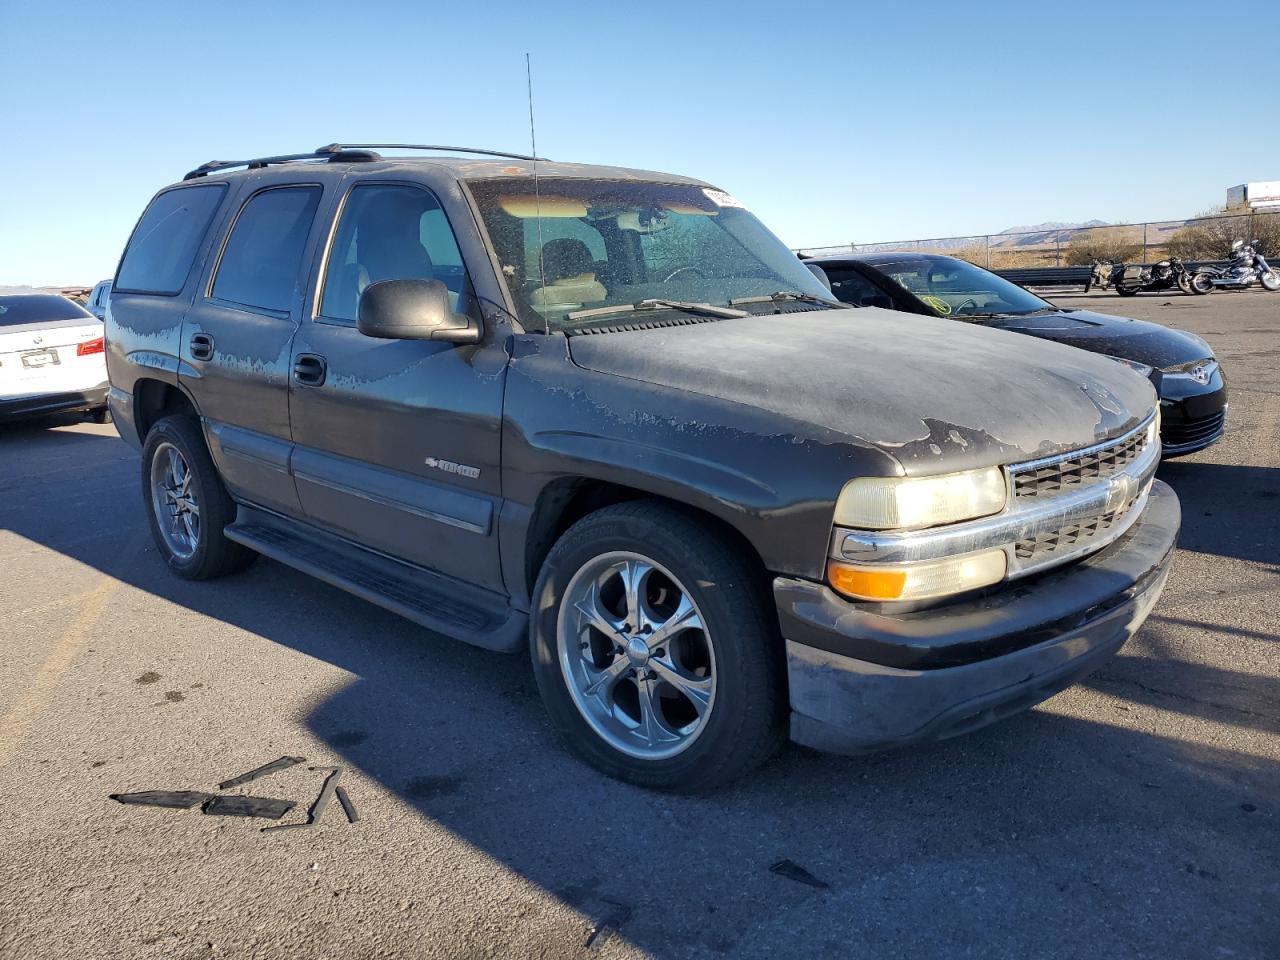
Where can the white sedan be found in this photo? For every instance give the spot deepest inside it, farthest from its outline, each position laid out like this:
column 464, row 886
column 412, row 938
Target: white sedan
column 51, row 358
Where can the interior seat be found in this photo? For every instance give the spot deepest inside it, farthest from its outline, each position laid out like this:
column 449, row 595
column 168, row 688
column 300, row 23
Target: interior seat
column 569, row 277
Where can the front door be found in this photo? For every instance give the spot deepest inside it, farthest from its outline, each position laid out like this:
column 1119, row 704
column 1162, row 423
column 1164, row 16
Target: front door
column 397, row 441
column 236, row 340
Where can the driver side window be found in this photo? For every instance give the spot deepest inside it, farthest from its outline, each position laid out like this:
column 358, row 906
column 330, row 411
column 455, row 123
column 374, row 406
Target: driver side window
column 389, row 232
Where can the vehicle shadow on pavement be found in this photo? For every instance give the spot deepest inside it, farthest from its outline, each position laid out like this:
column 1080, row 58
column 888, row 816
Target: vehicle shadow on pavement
column 1047, row 822
column 987, row 835
column 1231, row 511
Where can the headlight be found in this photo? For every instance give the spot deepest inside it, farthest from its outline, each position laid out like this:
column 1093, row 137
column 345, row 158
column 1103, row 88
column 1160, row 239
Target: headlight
column 917, row 581
column 912, row 503
column 1139, row 368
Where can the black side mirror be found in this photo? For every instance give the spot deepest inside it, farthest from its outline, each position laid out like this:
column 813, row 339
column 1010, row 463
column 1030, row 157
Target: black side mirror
column 413, row 310
column 821, row 274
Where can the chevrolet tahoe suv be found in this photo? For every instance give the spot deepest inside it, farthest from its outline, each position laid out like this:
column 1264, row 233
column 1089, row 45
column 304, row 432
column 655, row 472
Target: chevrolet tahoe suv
column 603, row 414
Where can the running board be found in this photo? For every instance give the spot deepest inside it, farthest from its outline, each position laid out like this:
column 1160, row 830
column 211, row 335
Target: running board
column 439, row 603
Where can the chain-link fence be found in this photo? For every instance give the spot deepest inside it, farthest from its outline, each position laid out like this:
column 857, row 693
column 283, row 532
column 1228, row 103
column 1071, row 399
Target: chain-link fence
column 1202, row 238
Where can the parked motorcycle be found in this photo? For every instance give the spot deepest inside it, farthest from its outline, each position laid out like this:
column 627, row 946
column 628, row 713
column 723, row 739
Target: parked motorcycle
column 1246, row 265
column 1100, row 275
column 1165, row 275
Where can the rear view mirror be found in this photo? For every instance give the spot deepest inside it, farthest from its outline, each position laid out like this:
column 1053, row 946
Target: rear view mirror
column 413, row 310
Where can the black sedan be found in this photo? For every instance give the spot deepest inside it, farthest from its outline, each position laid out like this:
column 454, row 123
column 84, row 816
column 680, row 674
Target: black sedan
column 1193, row 394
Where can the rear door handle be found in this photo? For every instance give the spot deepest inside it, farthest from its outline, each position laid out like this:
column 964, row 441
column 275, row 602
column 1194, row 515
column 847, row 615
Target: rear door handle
column 201, row 346
column 309, row 369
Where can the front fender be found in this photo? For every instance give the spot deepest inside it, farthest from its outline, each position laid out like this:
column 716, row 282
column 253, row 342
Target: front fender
column 773, row 479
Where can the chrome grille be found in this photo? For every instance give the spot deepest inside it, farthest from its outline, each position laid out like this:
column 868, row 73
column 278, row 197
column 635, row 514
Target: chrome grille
column 1062, row 474
column 1069, row 537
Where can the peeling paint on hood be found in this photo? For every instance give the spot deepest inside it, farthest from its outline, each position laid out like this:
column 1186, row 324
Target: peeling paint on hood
column 934, row 394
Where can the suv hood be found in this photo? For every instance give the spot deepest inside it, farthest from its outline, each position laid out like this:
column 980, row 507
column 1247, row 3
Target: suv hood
column 1149, row 343
column 934, row 394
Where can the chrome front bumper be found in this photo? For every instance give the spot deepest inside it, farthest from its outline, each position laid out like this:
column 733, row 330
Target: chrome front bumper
column 863, row 679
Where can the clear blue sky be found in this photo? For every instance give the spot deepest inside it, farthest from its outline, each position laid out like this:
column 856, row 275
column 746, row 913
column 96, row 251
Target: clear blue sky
column 839, row 122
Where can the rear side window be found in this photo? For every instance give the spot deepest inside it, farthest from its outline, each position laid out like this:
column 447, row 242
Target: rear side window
column 259, row 267
column 164, row 244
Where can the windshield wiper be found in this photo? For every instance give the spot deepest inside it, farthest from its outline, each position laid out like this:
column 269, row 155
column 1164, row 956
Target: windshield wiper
column 1006, row 313
column 789, row 295
column 704, row 309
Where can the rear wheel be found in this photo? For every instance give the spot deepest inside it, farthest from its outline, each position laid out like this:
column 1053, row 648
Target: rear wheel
column 1201, row 283
column 655, row 649
column 1126, row 291
column 187, row 505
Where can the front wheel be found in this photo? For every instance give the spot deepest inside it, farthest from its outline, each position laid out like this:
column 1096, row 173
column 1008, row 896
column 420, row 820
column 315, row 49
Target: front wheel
column 1201, row 283
column 656, row 650
column 187, row 505
column 1184, row 283
column 1270, row 280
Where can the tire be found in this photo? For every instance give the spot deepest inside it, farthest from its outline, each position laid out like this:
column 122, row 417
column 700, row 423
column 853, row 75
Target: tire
column 1270, row 281
column 100, row 415
column 1126, row 291
column 732, row 656
column 1201, row 284
column 1184, row 283
column 199, row 550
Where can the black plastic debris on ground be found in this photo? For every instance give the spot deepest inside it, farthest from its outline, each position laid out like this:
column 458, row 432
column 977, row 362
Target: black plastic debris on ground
column 284, row 763
column 348, row 807
column 174, row 799
column 793, row 871
column 232, row 805
column 321, row 802
column 235, row 806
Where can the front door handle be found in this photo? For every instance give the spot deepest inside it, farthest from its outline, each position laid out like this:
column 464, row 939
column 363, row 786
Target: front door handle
column 309, row 369
column 201, row 346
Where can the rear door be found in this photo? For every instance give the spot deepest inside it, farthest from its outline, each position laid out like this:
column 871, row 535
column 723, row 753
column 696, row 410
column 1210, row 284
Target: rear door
column 397, row 441
column 237, row 335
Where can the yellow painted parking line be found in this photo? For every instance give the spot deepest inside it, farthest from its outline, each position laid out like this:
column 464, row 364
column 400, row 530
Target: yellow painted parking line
column 15, row 724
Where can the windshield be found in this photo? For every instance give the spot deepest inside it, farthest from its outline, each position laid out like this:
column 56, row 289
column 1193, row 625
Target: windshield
column 958, row 288
column 577, row 246
column 39, row 308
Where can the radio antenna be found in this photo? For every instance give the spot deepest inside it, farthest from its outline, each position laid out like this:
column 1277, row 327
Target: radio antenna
column 537, row 193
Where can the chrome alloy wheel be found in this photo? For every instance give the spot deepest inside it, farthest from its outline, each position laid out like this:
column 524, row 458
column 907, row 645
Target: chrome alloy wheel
column 636, row 655
column 174, row 502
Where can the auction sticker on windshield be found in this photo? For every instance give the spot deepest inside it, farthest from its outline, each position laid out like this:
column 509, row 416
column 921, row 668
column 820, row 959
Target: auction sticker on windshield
column 721, row 199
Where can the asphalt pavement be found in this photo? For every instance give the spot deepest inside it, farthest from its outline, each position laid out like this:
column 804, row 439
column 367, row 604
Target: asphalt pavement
column 1136, row 815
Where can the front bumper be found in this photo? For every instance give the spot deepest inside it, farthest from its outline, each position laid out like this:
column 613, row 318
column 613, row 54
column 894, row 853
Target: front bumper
column 1193, row 415
column 862, row 680
column 15, row 408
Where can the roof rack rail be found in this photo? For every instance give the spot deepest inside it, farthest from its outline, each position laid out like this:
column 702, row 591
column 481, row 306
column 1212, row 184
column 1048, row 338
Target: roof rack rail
column 324, row 153
column 345, row 153
column 428, row 146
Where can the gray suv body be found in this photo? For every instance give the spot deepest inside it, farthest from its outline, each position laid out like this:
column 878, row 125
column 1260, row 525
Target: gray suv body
column 603, row 414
